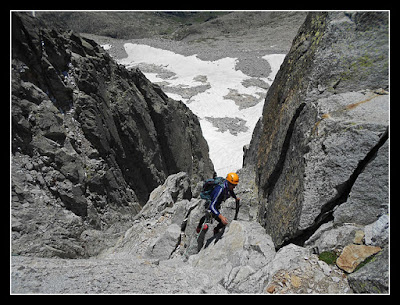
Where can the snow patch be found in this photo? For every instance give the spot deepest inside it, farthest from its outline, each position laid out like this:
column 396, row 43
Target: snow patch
column 106, row 46
column 275, row 61
column 226, row 149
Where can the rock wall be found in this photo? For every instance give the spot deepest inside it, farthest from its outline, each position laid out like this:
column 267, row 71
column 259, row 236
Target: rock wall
column 320, row 150
column 90, row 141
column 325, row 127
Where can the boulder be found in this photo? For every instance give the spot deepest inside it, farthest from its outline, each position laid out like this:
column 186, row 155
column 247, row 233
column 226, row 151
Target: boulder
column 353, row 255
column 377, row 233
column 331, row 237
column 240, row 259
column 288, row 257
column 157, row 228
column 164, row 246
column 175, row 188
column 374, row 276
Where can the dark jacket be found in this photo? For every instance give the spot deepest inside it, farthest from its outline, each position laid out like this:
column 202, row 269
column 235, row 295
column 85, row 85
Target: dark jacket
column 219, row 194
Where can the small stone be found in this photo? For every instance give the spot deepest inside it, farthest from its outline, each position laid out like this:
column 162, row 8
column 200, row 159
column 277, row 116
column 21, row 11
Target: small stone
column 325, row 267
column 335, row 279
column 359, row 237
column 295, row 280
column 271, row 288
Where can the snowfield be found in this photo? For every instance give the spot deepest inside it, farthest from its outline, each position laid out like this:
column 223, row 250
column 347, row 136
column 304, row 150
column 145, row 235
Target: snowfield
column 227, row 101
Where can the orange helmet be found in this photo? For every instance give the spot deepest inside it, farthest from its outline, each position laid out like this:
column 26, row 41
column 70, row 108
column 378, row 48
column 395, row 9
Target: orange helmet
column 233, row 178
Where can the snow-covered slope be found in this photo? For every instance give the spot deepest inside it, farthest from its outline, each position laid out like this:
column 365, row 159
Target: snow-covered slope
column 227, row 101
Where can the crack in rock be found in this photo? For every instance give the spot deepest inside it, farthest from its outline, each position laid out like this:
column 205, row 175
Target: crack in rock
column 343, row 191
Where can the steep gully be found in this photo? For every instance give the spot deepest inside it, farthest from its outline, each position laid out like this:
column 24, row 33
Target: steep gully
column 343, row 190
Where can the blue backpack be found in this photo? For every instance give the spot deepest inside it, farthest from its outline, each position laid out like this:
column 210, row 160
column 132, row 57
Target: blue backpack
column 208, row 187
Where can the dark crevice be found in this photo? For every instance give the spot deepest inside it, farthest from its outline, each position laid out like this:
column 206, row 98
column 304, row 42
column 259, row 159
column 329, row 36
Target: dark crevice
column 184, row 222
column 343, row 191
column 176, row 246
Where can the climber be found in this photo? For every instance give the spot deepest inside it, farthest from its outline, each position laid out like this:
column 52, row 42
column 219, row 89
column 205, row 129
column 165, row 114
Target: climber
column 220, row 192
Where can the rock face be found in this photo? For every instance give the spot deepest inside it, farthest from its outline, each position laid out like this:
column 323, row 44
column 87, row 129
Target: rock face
column 90, row 141
column 325, row 126
column 320, row 150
